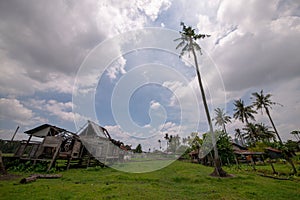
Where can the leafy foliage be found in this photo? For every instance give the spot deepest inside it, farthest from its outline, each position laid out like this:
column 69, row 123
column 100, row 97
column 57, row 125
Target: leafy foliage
column 188, row 39
column 242, row 112
column 224, row 146
column 8, row 146
column 20, row 166
column 221, row 118
column 138, row 149
column 296, row 134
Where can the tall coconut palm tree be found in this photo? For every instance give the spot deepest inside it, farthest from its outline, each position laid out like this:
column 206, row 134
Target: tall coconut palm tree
column 188, row 44
column 221, row 118
column 242, row 112
column 262, row 101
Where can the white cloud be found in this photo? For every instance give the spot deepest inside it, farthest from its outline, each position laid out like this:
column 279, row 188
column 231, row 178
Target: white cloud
column 15, row 81
column 14, row 110
column 152, row 8
column 154, row 105
column 117, row 68
column 43, row 51
column 61, row 110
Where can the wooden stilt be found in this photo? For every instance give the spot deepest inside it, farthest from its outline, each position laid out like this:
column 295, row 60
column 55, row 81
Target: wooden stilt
column 2, row 167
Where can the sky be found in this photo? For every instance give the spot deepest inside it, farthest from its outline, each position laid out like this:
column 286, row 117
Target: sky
column 114, row 62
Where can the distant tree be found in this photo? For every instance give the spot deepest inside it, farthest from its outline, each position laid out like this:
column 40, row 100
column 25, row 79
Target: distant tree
column 221, row 118
column 238, row 135
column 242, row 112
column 138, row 149
column 262, row 101
column 196, row 143
column 188, row 44
column 296, row 134
column 251, row 133
column 159, row 141
column 264, row 132
column 174, row 143
column 167, row 138
column 292, row 146
column 225, row 148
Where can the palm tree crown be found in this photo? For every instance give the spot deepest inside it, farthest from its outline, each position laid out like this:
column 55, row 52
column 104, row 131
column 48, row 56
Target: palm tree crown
column 262, row 101
column 221, row 118
column 243, row 112
column 188, row 39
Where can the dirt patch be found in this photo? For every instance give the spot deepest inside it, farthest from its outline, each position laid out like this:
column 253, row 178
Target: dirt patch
column 7, row 177
column 226, row 176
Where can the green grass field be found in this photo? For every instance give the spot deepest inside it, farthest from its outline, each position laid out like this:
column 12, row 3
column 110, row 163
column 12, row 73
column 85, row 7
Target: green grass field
column 180, row 180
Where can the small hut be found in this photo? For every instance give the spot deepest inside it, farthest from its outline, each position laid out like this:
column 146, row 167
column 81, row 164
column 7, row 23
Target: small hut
column 243, row 155
column 92, row 143
column 100, row 144
column 56, row 143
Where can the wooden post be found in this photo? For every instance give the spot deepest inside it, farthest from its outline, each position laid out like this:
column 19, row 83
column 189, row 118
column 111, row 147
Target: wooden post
column 252, row 163
column 26, row 144
column 54, row 157
column 2, row 168
column 262, row 158
column 69, row 162
column 273, row 168
column 12, row 139
column 237, row 162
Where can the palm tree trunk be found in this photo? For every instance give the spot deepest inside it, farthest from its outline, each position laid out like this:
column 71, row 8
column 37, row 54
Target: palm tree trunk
column 287, row 157
column 224, row 128
column 218, row 169
column 242, row 140
column 273, row 125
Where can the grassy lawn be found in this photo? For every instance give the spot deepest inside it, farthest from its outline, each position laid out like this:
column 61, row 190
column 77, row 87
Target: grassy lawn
column 180, row 180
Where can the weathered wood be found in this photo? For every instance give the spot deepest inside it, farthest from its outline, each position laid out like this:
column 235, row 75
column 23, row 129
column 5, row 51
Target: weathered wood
column 273, row 168
column 28, row 179
column 2, row 167
column 57, row 148
column 27, row 144
column 36, row 176
column 274, row 177
column 20, row 150
column 12, row 139
column 252, row 163
column 33, row 150
column 76, row 149
column 48, row 176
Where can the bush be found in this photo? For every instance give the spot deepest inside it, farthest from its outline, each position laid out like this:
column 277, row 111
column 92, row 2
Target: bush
column 21, row 166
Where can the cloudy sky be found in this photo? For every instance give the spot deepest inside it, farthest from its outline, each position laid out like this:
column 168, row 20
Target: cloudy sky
column 51, row 53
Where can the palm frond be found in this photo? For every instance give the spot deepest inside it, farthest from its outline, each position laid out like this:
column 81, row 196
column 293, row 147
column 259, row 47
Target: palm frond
column 180, row 44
